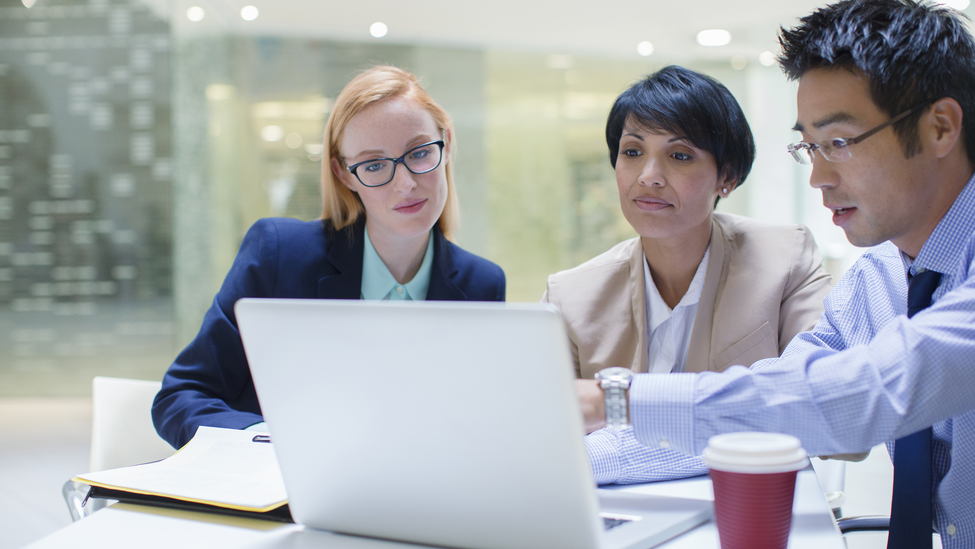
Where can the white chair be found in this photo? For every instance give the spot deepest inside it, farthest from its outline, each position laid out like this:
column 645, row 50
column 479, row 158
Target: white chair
column 832, row 479
column 122, row 434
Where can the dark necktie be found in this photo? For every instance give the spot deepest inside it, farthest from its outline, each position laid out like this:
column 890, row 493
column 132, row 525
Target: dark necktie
column 910, row 508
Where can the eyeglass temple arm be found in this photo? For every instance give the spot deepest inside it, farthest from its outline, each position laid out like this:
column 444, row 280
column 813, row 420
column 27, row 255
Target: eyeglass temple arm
column 890, row 122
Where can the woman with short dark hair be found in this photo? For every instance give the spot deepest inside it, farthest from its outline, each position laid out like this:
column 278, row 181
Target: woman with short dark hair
column 696, row 290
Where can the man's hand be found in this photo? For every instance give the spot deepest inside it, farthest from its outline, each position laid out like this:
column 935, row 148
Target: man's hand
column 593, row 404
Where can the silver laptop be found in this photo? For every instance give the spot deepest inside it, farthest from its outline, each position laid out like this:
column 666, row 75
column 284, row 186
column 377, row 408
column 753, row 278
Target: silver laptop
column 447, row 424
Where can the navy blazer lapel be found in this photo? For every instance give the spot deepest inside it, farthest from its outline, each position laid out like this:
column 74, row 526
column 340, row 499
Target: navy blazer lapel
column 343, row 277
column 442, row 287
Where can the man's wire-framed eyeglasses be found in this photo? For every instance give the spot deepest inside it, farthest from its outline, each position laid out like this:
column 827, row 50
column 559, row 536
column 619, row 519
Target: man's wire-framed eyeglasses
column 380, row 171
column 837, row 149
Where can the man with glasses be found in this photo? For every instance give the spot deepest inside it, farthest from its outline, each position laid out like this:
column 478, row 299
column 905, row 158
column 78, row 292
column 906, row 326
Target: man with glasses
column 886, row 103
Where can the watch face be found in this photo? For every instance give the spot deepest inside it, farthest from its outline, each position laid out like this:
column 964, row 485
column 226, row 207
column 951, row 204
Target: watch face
column 616, row 372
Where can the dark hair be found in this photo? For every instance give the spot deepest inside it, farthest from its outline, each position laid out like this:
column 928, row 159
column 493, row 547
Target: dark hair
column 692, row 106
column 912, row 53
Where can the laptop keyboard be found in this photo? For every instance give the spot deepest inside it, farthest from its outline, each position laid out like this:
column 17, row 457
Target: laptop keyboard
column 610, row 523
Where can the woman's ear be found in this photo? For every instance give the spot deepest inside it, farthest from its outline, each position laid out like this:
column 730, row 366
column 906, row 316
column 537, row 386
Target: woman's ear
column 448, row 146
column 342, row 174
column 726, row 184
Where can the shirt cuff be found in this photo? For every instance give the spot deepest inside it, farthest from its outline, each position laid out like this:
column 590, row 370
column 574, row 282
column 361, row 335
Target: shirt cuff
column 604, row 456
column 662, row 410
column 617, row 457
column 262, row 427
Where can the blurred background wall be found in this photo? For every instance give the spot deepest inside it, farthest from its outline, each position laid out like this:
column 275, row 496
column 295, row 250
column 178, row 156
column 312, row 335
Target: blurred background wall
column 139, row 139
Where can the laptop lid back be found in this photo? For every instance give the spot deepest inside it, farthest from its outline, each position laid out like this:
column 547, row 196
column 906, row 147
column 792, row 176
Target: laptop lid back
column 449, row 424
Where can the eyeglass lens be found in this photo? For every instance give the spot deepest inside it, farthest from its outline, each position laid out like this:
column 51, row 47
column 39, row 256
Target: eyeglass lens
column 834, row 150
column 419, row 160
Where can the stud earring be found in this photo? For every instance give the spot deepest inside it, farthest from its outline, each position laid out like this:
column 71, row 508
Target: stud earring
column 724, row 190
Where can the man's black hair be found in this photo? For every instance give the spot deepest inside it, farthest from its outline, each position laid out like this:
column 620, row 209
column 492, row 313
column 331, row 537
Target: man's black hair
column 692, row 106
column 912, row 53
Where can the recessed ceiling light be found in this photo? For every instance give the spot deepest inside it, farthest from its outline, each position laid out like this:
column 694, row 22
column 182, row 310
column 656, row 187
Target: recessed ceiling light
column 956, row 4
column 219, row 92
column 28, row 3
column 272, row 133
column 644, row 48
column 249, row 13
column 560, row 61
column 766, row 58
column 293, row 141
column 195, row 14
column 378, row 29
column 713, row 37
column 739, row 62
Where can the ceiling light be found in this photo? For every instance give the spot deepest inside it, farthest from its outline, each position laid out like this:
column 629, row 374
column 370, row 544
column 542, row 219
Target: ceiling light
column 195, row 14
column 272, row 134
column 378, row 29
column 766, row 58
column 713, row 37
column 644, row 48
column 28, row 3
column 249, row 13
column 739, row 62
column 956, row 4
column 293, row 141
column 560, row 61
column 219, row 92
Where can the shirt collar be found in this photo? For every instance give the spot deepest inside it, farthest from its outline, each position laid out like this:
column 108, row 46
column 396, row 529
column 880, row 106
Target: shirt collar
column 378, row 283
column 657, row 309
column 940, row 251
column 907, row 261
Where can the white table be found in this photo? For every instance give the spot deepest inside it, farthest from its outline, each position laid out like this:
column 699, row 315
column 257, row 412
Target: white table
column 125, row 526
column 813, row 526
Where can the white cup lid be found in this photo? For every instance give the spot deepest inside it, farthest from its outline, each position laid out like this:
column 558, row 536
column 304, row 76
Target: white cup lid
column 751, row 452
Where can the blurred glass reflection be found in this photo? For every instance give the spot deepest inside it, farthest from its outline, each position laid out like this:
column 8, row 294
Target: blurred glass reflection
column 85, row 194
column 137, row 147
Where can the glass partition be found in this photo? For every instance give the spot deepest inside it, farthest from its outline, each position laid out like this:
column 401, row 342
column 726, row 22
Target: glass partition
column 85, row 194
column 136, row 149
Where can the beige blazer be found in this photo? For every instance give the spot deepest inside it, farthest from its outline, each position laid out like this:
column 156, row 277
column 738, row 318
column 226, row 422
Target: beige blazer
column 764, row 284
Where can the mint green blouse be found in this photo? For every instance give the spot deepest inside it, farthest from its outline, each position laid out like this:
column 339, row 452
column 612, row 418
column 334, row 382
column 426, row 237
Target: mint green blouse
column 378, row 283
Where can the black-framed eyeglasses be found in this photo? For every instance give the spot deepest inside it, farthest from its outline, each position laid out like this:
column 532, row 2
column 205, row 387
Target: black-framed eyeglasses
column 379, row 171
column 837, row 149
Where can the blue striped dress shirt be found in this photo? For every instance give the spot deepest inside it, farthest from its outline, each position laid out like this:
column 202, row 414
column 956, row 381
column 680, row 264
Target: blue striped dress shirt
column 865, row 374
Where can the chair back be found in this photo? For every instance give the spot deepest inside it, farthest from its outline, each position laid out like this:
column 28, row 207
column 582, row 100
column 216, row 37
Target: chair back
column 832, row 478
column 122, row 433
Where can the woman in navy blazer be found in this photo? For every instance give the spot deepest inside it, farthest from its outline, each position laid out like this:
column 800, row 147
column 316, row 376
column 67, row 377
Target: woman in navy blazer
column 369, row 207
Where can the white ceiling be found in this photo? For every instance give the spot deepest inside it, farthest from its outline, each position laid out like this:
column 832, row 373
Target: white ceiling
column 610, row 27
column 606, row 28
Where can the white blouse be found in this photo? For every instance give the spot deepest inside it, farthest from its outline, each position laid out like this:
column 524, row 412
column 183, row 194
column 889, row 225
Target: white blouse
column 669, row 331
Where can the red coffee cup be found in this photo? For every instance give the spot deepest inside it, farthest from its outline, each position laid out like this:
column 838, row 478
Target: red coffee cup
column 754, row 478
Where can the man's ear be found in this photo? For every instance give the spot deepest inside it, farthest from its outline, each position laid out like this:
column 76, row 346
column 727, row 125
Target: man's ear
column 941, row 126
column 342, row 174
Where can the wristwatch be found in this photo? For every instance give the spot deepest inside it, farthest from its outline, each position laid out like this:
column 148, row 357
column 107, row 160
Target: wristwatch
column 615, row 383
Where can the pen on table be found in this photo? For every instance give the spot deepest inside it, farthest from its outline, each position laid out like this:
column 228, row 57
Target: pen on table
column 261, row 438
